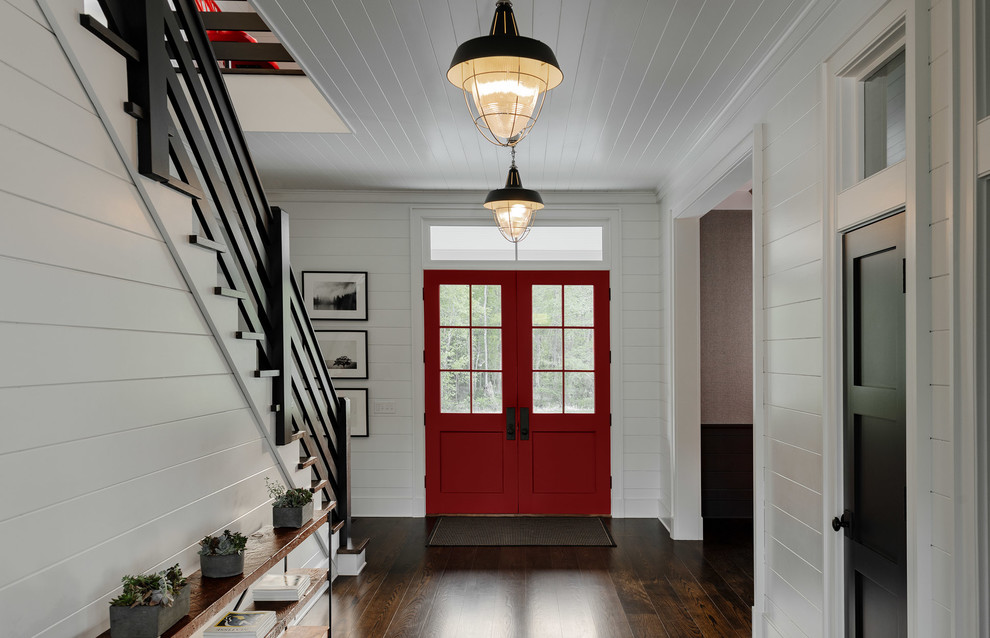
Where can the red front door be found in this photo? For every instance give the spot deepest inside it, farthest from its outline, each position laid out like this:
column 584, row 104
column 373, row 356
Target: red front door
column 517, row 392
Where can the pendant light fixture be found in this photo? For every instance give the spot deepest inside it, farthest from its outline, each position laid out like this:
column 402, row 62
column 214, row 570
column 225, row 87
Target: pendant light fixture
column 505, row 78
column 514, row 207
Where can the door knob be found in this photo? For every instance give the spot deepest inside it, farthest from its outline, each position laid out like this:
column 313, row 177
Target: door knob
column 845, row 521
column 510, row 424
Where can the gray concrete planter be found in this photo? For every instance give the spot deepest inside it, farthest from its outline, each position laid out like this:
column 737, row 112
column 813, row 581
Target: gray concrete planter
column 221, row 566
column 145, row 621
column 294, row 517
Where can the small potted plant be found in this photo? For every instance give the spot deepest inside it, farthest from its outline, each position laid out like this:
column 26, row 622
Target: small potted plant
column 291, row 508
column 149, row 604
column 222, row 556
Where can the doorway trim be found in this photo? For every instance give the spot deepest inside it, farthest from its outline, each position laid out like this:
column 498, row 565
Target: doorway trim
column 847, row 207
column 559, row 213
column 683, row 315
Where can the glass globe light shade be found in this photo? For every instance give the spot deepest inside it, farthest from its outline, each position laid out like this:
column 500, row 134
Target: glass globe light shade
column 514, row 207
column 505, row 78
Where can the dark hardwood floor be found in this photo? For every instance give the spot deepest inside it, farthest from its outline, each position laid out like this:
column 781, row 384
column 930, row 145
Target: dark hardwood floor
column 646, row 586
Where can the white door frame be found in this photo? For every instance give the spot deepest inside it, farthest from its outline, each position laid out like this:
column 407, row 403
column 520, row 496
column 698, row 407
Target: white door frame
column 609, row 218
column 906, row 185
column 682, row 339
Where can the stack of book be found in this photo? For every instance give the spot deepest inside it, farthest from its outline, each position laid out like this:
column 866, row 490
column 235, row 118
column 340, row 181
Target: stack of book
column 253, row 624
column 281, row 587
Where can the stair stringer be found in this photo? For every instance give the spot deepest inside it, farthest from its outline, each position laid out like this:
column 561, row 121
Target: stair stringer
column 170, row 215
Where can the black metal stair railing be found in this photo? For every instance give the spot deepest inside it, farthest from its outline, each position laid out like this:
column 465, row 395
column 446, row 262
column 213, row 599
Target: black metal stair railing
column 189, row 139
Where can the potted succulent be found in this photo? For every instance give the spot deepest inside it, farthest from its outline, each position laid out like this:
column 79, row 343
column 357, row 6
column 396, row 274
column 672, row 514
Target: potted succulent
column 149, row 604
column 291, row 508
column 222, row 556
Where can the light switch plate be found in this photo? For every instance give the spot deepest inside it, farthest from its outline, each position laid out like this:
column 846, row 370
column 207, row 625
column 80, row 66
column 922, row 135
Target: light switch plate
column 383, row 407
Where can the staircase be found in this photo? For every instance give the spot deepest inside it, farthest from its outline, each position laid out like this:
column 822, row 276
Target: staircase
column 231, row 245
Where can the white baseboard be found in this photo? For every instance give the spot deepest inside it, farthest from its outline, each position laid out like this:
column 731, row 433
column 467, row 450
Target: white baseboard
column 382, row 507
column 642, row 508
column 667, row 522
column 687, row 528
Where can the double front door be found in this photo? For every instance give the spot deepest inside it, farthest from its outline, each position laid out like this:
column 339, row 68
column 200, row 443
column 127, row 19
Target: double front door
column 517, row 392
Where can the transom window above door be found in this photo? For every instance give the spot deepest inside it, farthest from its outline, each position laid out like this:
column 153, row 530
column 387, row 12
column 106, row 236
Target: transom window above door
column 544, row 243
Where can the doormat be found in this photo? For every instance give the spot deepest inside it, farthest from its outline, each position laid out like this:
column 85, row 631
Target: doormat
column 523, row 531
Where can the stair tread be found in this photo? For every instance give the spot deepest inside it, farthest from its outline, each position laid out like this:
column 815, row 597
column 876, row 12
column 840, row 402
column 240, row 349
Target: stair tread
column 318, row 485
column 336, row 527
column 297, row 435
column 229, row 292
column 253, row 336
column 263, row 374
column 306, row 461
column 354, row 546
column 209, row 244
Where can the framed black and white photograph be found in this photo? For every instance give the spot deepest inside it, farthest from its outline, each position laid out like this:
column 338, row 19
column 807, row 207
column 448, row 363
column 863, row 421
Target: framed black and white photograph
column 359, row 409
column 345, row 352
column 342, row 296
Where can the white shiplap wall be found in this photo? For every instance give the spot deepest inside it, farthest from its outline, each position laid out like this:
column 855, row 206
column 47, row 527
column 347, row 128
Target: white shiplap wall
column 792, row 340
column 646, row 446
column 126, row 438
column 372, row 237
column 371, row 232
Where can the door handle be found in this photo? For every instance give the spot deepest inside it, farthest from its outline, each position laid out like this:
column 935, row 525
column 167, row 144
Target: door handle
column 523, row 424
column 845, row 521
column 510, row 424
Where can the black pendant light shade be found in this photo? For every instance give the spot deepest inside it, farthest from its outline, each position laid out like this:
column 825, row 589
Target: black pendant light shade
column 505, row 78
column 514, row 207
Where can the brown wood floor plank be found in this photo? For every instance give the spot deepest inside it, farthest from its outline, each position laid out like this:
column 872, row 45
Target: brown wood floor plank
column 416, row 605
column 477, row 617
column 572, row 600
column 734, row 536
column 510, row 594
column 446, row 610
column 640, row 611
column 351, row 595
column 377, row 616
column 647, row 586
column 693, row 596
column 603, row 600
column 721, row 560
column 650, row 556
column 718, row 591
column 541, row 597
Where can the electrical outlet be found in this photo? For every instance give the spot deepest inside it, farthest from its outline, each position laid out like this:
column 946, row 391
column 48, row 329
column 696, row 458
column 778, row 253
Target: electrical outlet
column 383, row 407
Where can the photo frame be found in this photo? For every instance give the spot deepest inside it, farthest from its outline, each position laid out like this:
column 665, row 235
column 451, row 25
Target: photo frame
column 345, row 353
column 359, row 409
column 336, row 295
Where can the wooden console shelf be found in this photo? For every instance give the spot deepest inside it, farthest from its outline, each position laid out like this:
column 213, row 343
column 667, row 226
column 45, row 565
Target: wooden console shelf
column 210, row 596
column 285, row 611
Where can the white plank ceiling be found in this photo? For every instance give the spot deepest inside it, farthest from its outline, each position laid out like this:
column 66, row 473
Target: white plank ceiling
column 643, row 81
